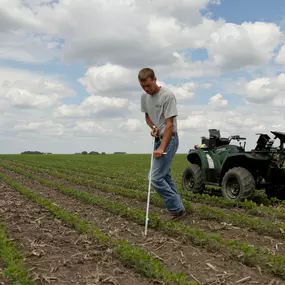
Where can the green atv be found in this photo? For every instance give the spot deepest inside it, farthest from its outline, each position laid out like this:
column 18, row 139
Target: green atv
column 238, row 172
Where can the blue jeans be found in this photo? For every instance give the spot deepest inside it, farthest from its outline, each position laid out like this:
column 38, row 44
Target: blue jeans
column 161, row 178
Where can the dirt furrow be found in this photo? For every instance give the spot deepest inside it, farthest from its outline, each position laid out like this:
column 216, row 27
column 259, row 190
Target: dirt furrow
column 207, row 268
column 55, row 253
column 233, row 210
column 226, row 230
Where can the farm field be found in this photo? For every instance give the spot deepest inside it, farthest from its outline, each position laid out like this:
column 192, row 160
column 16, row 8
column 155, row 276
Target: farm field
column 76, row 219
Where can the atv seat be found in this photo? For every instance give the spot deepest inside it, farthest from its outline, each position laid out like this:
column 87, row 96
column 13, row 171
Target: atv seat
column 214, row 142
column 222, row 141
column 215, row 134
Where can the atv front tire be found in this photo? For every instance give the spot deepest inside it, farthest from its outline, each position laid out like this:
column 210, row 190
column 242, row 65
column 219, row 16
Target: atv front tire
column 192, row 179
column 238, row 184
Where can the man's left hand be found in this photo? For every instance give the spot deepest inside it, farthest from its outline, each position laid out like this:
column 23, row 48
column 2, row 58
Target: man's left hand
column 158, row 153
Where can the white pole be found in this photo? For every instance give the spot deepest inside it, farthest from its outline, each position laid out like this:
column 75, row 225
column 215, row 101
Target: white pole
column 149, row 186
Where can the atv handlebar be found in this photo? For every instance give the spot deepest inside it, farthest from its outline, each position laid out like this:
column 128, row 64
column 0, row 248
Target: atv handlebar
column 237, row 137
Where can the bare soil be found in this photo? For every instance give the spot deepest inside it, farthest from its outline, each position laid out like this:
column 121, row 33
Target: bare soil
column 207, row 268
column 226, row 230
column 116, row 183
column 55, row 253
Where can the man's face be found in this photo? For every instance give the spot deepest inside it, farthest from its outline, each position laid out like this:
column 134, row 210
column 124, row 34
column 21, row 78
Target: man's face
column 149, row 85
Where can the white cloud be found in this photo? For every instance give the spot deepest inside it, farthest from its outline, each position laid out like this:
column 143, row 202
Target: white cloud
column 217, row 102
column 13, row 16
column 24, row 99
column 118, row 81
column 27, row 47
column 45, row 128
column 52, row 131
column 132, row 125
column 262, row 90
column 89, row 128
column 96, row 107
column 236, row 46
column 137, row 34
column 186, row 12
column 114, row 39
column 184, row 91
column 110, row 79
column 24, row 89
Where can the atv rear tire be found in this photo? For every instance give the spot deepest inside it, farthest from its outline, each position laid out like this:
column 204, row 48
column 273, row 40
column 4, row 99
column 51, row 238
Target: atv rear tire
column 192, row 179
column 238, row 184
column 275, row 191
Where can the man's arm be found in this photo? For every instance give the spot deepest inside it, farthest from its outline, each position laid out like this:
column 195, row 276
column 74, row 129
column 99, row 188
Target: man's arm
column 143, row 109
column 148, row 121
column 170, row 112
column 167, row 133
column 154, row 129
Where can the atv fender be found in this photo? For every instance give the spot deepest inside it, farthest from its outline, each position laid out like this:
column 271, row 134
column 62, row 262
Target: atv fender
column 203, row 158
column 210, row 166
column 245, row 160
column 200, row 158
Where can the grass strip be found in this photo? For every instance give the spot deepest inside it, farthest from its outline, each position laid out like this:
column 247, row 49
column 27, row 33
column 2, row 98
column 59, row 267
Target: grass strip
column 204, row 212
column 12, row 259
column 130, row 255
column 241, row 251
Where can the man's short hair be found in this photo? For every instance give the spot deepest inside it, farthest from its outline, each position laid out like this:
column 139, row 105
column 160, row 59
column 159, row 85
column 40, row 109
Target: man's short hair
column 146, row 72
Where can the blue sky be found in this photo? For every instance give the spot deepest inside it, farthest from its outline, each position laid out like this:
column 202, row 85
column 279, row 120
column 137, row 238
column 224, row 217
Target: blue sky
column 67, row 72
column 237, row 12
column 76, row 23
column 249, row 10
column 231, row 11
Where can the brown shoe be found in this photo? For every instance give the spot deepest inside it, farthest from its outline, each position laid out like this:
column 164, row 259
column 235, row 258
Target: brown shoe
column 173, row 216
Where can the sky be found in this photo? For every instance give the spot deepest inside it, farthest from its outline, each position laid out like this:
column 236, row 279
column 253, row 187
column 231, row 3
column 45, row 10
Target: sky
column 68, row 71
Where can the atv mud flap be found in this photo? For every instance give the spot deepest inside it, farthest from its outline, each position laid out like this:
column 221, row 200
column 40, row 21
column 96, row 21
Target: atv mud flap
column 212, row 172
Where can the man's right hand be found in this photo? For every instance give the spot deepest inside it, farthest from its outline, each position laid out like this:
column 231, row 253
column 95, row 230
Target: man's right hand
column 154, row 132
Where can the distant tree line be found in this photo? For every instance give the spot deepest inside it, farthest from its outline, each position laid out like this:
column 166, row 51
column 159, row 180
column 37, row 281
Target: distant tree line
column 78, row 153
column 97, row 153
column 34, row 152
column 90, row 153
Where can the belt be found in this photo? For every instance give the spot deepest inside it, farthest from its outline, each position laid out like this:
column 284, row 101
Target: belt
column 160, row 137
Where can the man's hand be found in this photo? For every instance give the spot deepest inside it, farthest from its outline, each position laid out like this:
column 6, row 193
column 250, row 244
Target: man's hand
column 158, row 153
column 154, row 131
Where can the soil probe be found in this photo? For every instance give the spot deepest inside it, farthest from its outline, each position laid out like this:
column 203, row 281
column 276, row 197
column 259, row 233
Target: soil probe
column 149, row 186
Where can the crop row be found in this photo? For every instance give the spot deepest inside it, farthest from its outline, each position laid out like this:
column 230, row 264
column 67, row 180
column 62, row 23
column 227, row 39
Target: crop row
column 136, row 176
column 204, row 212
column 113, row 167
column 251, row 207
column 116, row 166
column 13, row 261
column 143, row 262
column 108, row 172
column 245, row 253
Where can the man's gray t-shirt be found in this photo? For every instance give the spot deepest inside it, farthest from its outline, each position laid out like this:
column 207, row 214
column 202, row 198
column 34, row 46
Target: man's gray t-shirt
column 160, row 107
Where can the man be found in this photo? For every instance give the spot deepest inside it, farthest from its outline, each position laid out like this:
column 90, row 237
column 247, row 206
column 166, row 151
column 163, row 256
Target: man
column 159, row 106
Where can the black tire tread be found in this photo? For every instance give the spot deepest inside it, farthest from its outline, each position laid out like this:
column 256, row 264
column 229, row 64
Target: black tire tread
column 245, row 179
column 196, row 171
